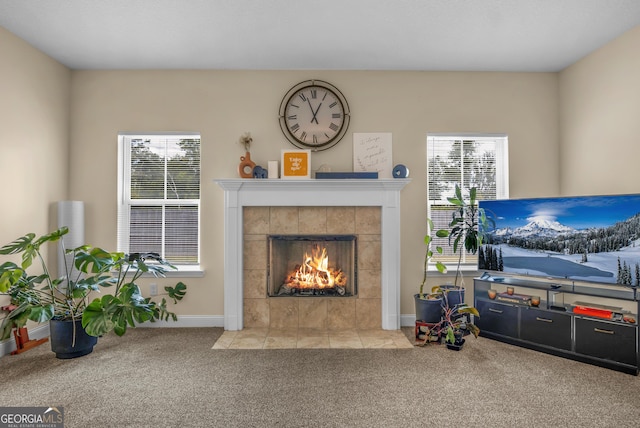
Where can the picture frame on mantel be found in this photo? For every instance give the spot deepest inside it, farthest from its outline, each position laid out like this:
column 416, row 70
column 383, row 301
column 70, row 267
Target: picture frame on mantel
column 373, row 152
column 295, row 164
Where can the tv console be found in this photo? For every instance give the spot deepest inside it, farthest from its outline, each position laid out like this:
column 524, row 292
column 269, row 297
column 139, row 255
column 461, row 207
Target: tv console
column 595, row 324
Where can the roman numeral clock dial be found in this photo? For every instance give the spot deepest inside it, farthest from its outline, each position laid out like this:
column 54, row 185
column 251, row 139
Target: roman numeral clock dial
column 314, row 115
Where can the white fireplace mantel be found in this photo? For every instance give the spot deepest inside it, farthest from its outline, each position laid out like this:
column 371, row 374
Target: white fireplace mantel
column 239, row 193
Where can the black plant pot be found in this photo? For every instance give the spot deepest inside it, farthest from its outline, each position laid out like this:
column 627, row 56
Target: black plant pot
column 428, row 310
column 456, row 346
column 61, row 335
column 455, row 295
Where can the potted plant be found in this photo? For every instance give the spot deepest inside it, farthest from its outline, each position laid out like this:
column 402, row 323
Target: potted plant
column 464, row 235
column 66, row 301
column 429, row 306
column 454, row 324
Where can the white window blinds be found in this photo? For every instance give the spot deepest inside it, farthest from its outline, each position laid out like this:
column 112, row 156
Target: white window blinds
column 159, row 196
column 479, row 161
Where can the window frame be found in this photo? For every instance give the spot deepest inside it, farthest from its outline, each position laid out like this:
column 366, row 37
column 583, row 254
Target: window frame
column 125, row 201
column 469, row 262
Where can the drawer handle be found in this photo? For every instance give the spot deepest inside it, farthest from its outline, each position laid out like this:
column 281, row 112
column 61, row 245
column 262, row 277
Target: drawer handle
column 495, row 310
column 599, row 330
column 543, row 319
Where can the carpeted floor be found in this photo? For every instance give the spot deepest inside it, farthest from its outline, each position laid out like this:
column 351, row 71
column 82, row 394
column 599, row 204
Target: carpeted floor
column 172, row 378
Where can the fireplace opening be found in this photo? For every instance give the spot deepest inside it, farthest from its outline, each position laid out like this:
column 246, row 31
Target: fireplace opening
column 312, row 265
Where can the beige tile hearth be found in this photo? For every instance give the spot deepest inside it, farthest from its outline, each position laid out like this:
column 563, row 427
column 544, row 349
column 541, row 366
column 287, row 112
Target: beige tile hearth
column 308, row 338
column 293, row 322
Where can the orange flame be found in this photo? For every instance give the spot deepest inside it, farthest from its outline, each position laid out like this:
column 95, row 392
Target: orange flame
column 315, row 273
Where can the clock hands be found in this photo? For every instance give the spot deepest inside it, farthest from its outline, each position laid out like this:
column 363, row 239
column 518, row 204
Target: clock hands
column 314, row 113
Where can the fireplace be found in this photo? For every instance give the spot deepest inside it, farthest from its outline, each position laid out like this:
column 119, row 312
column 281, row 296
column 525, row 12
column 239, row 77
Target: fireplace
column 244, row 250
column 312, row 265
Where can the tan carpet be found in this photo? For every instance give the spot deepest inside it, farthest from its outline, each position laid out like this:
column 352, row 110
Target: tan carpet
column 172, row 378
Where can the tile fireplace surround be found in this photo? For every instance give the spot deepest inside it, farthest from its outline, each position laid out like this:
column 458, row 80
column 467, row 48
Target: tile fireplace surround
column 290, row 196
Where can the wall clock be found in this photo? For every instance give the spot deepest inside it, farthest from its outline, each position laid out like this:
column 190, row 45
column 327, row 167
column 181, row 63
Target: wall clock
column 314, row 115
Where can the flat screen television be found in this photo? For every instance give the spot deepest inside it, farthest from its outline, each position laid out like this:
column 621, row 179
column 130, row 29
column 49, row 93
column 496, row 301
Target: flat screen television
column 582, row 238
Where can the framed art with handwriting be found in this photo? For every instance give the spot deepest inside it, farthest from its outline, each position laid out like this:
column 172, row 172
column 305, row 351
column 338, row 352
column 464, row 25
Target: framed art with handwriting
column 372, row 152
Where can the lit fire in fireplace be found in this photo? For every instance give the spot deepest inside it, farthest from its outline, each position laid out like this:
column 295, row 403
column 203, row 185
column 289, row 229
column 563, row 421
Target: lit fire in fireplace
column 314, row 276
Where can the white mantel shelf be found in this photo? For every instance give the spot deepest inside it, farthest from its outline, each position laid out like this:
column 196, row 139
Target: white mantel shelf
column 239, row 193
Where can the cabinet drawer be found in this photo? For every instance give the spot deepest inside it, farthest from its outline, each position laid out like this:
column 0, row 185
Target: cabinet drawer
column 546, row 328
column 606, row 340
column 497, row 318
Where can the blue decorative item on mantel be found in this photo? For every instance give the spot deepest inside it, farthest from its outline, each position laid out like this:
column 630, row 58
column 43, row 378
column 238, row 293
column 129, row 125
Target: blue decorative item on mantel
column 259, row 172
column 400, row 171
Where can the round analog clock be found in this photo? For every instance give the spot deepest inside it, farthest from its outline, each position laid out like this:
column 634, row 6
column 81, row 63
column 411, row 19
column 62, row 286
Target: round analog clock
column 314, row 115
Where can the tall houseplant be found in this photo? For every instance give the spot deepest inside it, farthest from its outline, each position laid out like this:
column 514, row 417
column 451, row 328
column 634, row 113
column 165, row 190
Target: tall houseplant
column 464, row 236
column 429, row 305
column 464, row 233
column 70, row 296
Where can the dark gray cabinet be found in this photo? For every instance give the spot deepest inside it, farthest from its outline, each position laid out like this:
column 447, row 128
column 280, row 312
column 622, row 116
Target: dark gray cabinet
column 546, row 327
column 606, row 340
column 497, row 317
column 553, row 326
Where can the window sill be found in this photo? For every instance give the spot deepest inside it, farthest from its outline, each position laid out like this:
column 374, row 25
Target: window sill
column 185, row 272
column 181, row 272
column 451, row 270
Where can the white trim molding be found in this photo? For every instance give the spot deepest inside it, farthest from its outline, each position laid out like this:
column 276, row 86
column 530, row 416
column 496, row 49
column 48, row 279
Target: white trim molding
column 239, row 193
column 184, row 321
column 187, row 321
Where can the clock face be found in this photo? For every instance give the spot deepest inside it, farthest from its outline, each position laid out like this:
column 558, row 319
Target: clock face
column 314, row 115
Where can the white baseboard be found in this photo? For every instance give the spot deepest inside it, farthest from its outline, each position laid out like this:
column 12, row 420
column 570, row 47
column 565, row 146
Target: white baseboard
column 408, row 320
column 183, row 321
column 38, row 332
column 9, row 345
column 188, row 321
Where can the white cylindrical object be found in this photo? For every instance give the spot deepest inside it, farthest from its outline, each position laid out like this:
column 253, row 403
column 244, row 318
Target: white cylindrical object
column 273, row 170
column 71, row 215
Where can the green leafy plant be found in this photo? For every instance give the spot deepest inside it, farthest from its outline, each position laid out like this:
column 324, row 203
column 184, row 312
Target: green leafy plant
column 42, row 297
column 453, row 325
column 428, row 255
column 464, row 234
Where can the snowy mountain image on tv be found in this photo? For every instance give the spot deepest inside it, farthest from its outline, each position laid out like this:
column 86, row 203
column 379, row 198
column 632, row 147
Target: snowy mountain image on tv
column 582, row 238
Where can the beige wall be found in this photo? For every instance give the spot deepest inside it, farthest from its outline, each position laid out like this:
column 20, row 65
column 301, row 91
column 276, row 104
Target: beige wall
column 561, row 127
column 34, row 136
column 600, row 120
column 221, row 105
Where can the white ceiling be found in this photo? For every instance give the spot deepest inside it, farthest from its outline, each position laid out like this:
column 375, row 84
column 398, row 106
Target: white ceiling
column 480, row 35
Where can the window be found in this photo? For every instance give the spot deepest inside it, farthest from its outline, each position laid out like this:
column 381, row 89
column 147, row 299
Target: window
column 479, row 161
column 159, row 197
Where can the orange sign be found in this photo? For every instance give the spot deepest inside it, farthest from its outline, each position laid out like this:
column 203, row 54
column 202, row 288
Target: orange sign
column 296, row 164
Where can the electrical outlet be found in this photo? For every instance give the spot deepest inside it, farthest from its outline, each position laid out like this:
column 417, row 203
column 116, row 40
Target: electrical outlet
column 153, row 289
